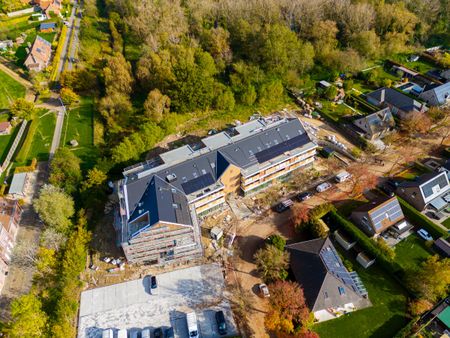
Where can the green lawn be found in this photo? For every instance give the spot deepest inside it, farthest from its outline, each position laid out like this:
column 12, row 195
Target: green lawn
column 78, row 125
column 421, row 65
column 446, row 223
column 43, row 138
column 6, row 142
column 410, row 252
column 386, row 316
column 9, row 90
column 336, row 111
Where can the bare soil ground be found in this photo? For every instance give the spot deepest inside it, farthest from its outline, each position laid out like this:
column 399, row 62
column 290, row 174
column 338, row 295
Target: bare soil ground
column 21, row 267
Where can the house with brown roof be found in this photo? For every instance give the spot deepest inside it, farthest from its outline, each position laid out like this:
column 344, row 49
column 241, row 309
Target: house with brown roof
column 50, row 6
column 39, row 56
column 5, row 128
column 379, row 215
column 10, row 214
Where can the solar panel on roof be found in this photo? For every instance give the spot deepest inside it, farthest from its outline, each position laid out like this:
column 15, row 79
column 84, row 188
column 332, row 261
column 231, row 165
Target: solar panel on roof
column 197, row 183
column 276, row 150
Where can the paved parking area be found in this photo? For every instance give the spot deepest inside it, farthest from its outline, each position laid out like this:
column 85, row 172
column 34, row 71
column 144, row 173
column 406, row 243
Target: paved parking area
column 134, row 305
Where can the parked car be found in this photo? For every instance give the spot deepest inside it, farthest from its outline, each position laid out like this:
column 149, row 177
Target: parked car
column 168, row 333
column 323, row 187
column 221, row 324
column 425, row 235
column 191, row 319
column 435, row 215
column 303, row 196
column 158, row 333
column 283, row 206
column 263, row 290
column 153, row 282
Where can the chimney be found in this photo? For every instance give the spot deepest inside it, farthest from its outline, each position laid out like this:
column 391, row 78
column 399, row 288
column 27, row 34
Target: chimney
column 383, row 93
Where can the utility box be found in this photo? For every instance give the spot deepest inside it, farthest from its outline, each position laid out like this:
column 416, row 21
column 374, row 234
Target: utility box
column 216, row 233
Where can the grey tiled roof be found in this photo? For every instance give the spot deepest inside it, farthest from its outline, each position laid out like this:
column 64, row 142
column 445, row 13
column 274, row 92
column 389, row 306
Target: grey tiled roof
column 396, row 98
column 325, row 284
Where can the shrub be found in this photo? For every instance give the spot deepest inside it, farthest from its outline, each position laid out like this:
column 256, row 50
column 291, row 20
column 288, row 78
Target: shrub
column 421, row 220
column 277, row 241
column 25, row 149
column 318, row 228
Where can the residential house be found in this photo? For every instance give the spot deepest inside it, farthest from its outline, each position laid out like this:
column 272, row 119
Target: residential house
column 376, row 125
column 161, row 199
column 5, row 128
column 39, row 56
column 399, row 103
column 380, row 215
column 50, row 7
column 437, row 95
column 10, row 214
column 428, row 190
column 5, row 44
column 330, row 289
column 47, row 27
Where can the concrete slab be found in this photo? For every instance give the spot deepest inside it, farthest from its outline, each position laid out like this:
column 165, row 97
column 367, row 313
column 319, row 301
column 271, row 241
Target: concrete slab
column 134, row 305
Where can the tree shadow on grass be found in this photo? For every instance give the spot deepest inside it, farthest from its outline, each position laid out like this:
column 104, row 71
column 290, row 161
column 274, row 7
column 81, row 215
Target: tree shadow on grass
column 390, row 328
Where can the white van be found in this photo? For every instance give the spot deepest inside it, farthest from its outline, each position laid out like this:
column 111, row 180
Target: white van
column 191, row 319
column 342, row 176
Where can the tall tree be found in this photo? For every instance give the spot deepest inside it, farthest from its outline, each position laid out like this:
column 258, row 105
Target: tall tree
column 432, row 280
column 287, row 308
column 156, row 105
column 272, row 263
column 65, row 170
column 27, row 317
column 23, row 109
column 54, row 207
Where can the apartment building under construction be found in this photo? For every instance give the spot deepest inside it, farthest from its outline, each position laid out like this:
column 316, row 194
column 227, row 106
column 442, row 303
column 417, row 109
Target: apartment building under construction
column 161, row 199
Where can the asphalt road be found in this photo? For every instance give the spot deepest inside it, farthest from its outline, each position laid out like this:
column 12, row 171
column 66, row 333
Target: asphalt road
column 74, row 27
column 65, row 51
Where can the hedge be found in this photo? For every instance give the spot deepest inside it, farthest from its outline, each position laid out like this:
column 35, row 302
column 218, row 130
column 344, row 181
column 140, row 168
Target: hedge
column 27, row 169
column 58, row 52
column 25, row 149
column 421, row 220
column 365, row 242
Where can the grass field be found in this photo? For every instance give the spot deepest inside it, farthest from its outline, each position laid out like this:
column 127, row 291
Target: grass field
column 43, row 138
column 78, row 125
column 9, row 90
column 410, row 252
column 386, row 317
column 6, row 142
column 446, row 223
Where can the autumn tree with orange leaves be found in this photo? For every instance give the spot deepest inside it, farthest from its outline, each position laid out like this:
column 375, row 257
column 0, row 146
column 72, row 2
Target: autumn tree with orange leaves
column 300, row 214
column 288, row 312
column 362, row 178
